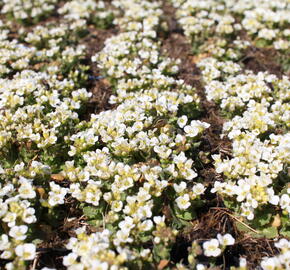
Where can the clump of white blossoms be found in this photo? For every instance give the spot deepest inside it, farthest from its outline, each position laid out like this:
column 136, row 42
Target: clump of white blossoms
column 78, row 10
column 94, row 250
column 281, row 261
column 28, row 10
column 214, row 247
column 265, row 22
column 124, row 166
column 41, row 96
column 131, row 156
column 256, row 163
column 256, row 104
column 121, row 162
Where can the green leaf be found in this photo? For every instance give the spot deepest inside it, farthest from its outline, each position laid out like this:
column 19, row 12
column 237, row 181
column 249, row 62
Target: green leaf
column 145, row 238
column 270, row 232
column 161, row 252
column 285, row 220
column 92, row 212
column 243, row 228
column 230, row 204
column 261, row 43
column 263, row 219
column 187, row 215
column 195, row 145
column 37, row 241
column 285, row 231
column 95, row 222
column 178, row 224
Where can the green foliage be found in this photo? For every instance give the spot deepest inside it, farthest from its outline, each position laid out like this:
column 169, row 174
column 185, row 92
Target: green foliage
column 94, row 213
column 261, row 226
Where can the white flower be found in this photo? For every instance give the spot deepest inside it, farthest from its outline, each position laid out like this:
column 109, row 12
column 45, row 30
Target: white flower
column 179, row 188
column 69, row 259
column 283, row 244
column 211, row 248
column 191, row 131
column 4, row 242
column 26, row 191
column 273, row 199
column 26, row 251
column 269, row 264
column 226, row 240
column 182, row 121
column 98, row 265
column 247, row 212
column 285, row 201
column 198, row 189
column 200, row 267
column 117, row 206
column 162, row 151
column 127, row 224
column 18, row 232
column 10, row 218
column 159, row 220
column 57, row 194
column 146, row 225
column 243, row 262
column 179, row 159
column 6, row 254
column 145, row 253
column 157, row 240
column 242, row 190
column 183, row 202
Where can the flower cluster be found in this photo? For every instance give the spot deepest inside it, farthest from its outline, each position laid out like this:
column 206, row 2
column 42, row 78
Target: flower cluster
column 17, row 213
column 85, row 11
column 121, row 163
column 95, row 251
column 129, row 157
column 36, row 108
column 257, row 105
column 224, row 23
column 134, row 57
column 133, row 170
column 214, row 247
column 281, row 261
column 41, row 98
column 53, row 47
column 257, row 109
column 46, row 48
column 27, row 10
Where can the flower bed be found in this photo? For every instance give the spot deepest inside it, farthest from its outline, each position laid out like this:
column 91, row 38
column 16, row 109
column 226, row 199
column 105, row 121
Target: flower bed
column 124, row 188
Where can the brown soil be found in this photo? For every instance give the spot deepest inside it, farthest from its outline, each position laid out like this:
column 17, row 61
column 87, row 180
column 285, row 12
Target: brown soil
column 262, row 59
column 98, row 85
column 176, row 46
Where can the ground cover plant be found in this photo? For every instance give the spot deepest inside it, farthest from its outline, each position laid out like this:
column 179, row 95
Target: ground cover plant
column 141, row 134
